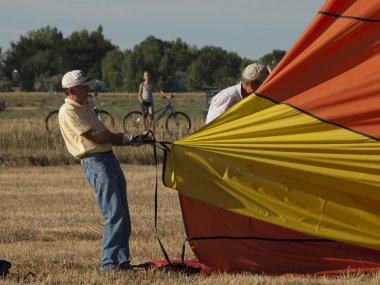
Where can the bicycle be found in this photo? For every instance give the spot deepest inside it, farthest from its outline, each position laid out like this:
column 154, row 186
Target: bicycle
column 51, row 120
column 176, row 123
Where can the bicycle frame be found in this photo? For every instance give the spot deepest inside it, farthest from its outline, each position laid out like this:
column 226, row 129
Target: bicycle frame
column 161, row 111
column 175, row 122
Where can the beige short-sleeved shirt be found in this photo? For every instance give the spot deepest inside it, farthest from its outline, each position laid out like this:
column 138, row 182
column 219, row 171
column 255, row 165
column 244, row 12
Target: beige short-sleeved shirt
column 76, row 119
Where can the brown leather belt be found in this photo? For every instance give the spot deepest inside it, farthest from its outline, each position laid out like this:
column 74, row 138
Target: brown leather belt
column 94, row 154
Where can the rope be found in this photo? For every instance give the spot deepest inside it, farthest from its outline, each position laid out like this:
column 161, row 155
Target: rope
column 171, row 266
column 154, row 146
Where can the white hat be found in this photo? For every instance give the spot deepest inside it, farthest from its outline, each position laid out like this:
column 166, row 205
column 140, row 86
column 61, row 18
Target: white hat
column 74, row 78
column 255, row 71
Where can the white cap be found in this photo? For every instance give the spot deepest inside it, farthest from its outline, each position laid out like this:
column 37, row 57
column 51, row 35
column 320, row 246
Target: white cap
column 255, row 71
column 74, row 78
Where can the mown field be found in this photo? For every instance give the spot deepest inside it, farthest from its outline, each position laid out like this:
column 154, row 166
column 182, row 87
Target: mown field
column 51, row 226
column 50, row 223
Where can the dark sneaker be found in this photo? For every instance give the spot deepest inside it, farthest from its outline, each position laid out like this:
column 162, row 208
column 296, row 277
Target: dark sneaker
column 126, row 267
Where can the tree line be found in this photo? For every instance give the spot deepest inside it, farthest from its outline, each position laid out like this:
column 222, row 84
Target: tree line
column 38, row 60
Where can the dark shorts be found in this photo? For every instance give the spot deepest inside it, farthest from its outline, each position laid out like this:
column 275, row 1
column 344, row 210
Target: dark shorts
column 146, row 103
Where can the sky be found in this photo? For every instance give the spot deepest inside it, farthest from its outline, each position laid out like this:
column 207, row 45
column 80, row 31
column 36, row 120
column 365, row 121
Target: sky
column 251, row 28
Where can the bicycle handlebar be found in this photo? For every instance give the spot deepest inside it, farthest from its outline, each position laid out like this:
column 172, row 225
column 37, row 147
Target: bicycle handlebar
column 165, row 96
column 168, row 98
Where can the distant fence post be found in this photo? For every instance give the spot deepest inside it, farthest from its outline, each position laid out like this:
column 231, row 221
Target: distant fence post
column 2, row 105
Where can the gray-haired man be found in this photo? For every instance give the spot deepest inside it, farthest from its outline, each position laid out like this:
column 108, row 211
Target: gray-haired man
column 252, row 77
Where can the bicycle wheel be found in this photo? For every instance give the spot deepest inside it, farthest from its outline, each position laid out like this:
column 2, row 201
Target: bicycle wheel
column 178, row 124
column 106, row 118
column 134, row 122
column 51, row 122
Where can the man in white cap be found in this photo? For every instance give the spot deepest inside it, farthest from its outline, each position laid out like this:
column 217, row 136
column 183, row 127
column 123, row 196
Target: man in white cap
column 89, row 140
column 252, row 77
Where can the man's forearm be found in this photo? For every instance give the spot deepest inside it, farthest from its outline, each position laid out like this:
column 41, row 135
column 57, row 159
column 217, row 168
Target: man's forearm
column 104, row 137
column 118, row 139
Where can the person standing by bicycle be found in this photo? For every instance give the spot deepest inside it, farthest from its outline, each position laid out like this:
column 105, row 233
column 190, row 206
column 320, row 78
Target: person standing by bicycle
column 89, row 141
column 146, row 95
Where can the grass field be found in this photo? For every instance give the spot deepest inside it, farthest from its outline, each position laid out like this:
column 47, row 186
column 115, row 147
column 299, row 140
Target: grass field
column 50, row 223
column 24, row 140
column 51, row 226
column 38, row 105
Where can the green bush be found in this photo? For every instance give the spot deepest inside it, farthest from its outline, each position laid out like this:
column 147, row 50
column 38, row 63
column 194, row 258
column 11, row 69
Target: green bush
column 5, row 86
column 45, row 83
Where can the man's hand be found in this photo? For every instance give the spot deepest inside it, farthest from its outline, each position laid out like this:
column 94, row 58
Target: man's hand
column 137, row 139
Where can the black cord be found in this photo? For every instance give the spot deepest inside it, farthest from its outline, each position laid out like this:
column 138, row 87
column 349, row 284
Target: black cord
column 154, row 146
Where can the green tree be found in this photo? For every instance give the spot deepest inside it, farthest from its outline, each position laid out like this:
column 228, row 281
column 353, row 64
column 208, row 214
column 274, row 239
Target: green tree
column 272, row 59
column 244, row 63
column 217, row 68
column 43, row 55
column 266, row 59
column 228, row 72
column 150, row 55
column 130, row 81
column 85, row 50
column 112, row 69
column 210, row 58
column 1, row 57
column 209, row 67
column 194, row 79
column 166, row 70
column 5, row 83
column 182, row 54
column 2, row 74
column 39, row 52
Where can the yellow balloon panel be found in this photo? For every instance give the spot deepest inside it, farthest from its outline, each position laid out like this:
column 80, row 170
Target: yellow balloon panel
column 285, row 167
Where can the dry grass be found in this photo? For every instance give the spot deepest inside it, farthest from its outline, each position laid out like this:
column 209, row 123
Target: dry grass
column 49, row 220
column 24, row 140
column 50, row 225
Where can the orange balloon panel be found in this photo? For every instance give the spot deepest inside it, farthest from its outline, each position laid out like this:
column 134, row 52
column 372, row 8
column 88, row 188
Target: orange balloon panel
column 225, row 241
column 332, row 71
column 287, row 180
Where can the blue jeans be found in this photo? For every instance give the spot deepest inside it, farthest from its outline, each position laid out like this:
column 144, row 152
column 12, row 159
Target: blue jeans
column 107, row 179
